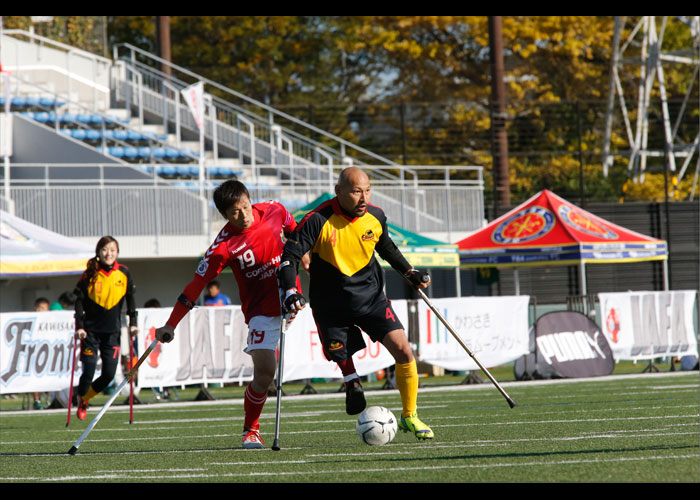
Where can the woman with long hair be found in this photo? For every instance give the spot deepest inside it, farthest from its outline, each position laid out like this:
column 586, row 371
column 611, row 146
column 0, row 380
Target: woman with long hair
column 101, row 292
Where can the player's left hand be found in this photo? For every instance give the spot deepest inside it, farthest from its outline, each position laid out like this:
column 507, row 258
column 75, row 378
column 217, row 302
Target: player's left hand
column 293, row 301
column 418, row 278
column 133, row 331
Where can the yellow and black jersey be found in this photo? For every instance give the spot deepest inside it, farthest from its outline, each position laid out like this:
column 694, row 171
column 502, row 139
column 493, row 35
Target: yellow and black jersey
column 345, row 274
column 99, row 303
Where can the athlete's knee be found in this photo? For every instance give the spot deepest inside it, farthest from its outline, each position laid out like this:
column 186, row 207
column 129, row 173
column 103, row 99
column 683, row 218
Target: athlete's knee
column 264, row 367
column 398, row 346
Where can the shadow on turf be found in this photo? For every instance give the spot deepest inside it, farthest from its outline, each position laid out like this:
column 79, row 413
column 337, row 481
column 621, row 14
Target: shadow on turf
column 556, row 453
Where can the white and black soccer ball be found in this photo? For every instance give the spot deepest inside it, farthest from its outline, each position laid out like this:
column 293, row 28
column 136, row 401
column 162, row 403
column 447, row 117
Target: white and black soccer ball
column 376, row 426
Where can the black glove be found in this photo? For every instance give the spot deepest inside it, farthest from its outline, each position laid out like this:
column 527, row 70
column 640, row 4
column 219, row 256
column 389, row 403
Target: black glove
column 417, row 277
column 293, row 301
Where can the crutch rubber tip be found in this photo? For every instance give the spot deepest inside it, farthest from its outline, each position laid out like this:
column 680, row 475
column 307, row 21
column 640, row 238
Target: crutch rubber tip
column 511, row 403
column 276, row 445
column 72, row 450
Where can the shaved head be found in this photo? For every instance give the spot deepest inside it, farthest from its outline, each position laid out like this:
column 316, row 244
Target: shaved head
column 353, row 191
column 352, row 175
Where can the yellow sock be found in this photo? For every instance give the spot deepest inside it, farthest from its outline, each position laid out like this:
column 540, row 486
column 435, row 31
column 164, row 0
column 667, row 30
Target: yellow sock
column 407, row 384
column 90, row 394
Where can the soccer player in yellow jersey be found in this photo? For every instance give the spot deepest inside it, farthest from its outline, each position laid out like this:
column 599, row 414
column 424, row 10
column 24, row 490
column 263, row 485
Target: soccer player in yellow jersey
column 101, row 292
column 346, row 289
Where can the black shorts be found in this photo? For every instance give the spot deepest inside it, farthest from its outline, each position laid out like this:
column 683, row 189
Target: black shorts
column 341, row 335
column 104, row 345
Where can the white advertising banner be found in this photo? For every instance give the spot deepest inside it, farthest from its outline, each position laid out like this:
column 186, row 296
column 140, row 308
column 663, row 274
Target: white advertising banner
column 35, row 351
column 209, row 342
column 208, row 348
column 36, row 347
column 647, row 325
column 494, row 328
column 303, row 353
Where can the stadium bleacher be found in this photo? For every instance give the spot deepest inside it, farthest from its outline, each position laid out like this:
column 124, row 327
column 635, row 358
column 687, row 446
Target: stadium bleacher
column 104, row 133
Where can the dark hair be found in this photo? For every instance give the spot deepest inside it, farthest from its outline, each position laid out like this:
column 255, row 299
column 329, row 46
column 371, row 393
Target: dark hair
column 67, row 299
column 228, row 193
column 41, row 300
column 93, row 265
column 213, row 283
column 152, row 303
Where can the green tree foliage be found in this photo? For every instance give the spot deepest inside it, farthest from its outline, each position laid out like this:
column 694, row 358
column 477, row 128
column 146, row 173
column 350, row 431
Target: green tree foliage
column 417, row 89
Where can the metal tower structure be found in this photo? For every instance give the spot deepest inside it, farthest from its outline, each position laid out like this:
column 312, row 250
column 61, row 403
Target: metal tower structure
column 644, row 44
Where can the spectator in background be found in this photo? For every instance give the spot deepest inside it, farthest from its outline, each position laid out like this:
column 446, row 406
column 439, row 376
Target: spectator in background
column 101, row 292
column 66, row 301
column 152, row 303
column 214, row 296
column 41, row 304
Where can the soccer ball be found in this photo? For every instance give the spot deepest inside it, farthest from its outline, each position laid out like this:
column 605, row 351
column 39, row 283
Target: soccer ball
column 376, row 426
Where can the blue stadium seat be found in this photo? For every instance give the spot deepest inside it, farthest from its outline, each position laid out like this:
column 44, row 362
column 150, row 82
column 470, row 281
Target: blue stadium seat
column 41, row 117
column 166, row 170
column 68, row 118
column 144, row 152
column 50, row 102
column 18, row 102
column 94, row 135
column 184, row 171
column 84, row 118
column 158, row 152
column 121, row 135
column 172, row 154
column 131, row 153
column 117, row 151
column 79, row 134
column 134, row 136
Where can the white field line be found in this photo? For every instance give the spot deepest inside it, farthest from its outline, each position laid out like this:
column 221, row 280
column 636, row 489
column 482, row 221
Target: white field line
column 309, row 398
column 648, row 432
column 226, row 421
column 624, row 434
column 135, row 476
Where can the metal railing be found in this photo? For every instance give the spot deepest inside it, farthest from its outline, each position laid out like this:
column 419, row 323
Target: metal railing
column 81, row 72
column 98, row 203
column 267, row 141
column 236, row 104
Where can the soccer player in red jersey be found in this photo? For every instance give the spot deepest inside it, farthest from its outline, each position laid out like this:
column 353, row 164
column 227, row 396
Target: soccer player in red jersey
column 251, row 245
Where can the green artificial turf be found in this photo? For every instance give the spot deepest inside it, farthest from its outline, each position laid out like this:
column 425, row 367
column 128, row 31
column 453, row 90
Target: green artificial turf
column 642, row 427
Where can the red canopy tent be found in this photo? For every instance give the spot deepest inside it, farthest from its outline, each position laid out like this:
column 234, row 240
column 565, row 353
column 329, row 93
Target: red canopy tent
column 548, row 230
